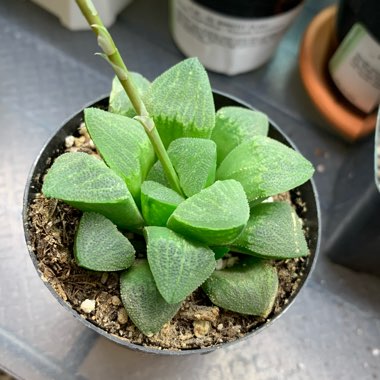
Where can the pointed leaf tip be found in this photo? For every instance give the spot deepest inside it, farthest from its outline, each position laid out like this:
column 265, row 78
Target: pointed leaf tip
column 142, row 300
column 214, row 216
column 100, row 246
column 179, row 266
column 274, row 231
column 249, row 287
column 181, row 102
column 265, row 167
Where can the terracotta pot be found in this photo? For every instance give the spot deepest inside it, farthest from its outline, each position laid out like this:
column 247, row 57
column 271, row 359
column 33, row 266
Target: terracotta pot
column 318, row 45
column 55, row 146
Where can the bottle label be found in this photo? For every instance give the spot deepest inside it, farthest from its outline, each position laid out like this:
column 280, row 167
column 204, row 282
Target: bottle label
column 355, row 68
column 226, row 44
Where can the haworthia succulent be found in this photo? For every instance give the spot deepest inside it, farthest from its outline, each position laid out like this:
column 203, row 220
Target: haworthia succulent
column 181, row 102
column 249, row 287
column 158, row 203
column 265, row 167
column 142, row 300
column 235, row 125
column 179, row 266
column 195, row 162
column 273, row 231
column 100, row 246
column 123, row 144
column 214, row 216
column 119, row 102
column 86, row 183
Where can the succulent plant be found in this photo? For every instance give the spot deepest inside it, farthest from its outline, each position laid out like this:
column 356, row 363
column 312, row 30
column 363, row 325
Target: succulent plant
column 191, row 181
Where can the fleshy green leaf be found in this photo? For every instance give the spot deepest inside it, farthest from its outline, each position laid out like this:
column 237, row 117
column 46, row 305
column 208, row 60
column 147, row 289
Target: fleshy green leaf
column 273, row 231
column 119, row 102
column 157, row 174
column 215, row 216
column 195, row 163
column 142, row 300
column 86, row 183
column 181, row 102
column 249, row 287
column 123, row 144
column 158, row 203
column 220, row 251
column 179, row 266
column 235, row 125
column 100, row 246
column 265, row 167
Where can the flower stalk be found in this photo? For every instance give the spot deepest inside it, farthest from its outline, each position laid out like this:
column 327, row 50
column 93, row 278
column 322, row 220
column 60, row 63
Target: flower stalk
column 112, row 56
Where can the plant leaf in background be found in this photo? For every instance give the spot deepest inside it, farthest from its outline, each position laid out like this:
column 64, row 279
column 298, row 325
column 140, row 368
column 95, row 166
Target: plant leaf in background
column 249, row 287
column 214, row 216
column 123, row 144
column 119, row 101
column 181, row 103
column 87, row 184
column 100, row 246
column 158, row 203
column 142, row 300
column 179, row 266
column 235, row 125
column 273, row 231
column 265, row 167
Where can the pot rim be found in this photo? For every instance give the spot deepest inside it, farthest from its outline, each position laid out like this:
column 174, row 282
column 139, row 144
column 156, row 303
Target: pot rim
column 150, row 350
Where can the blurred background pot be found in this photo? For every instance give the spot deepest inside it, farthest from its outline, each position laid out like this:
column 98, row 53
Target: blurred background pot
column 56, row 146
column 70, row 16
column 231, row 37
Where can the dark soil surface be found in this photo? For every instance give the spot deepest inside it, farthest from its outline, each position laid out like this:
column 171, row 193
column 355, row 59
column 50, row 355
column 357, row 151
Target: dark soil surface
column 96, row 295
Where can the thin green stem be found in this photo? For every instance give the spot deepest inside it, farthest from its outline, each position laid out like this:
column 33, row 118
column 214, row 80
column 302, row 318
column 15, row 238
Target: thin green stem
column 161, row 153
column 112, row 55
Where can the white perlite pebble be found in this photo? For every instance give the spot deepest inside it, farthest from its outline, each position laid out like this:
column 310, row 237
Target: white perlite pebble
column 88, row 306
column 122, row 316
column 375, row 352
column 201, row 328
column 69, row 141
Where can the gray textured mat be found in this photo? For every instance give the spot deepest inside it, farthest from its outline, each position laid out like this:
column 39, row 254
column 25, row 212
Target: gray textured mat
column 46, row 74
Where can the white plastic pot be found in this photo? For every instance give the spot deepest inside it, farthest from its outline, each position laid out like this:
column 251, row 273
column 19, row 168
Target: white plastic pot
column 227, row 44
column 69, row 14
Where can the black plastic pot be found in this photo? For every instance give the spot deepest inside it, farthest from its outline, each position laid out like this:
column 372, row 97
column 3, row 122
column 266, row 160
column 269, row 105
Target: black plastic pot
column 55, row 146
column 354, row 224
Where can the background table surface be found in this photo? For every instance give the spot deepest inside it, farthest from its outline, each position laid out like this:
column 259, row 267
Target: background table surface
column 46, row 74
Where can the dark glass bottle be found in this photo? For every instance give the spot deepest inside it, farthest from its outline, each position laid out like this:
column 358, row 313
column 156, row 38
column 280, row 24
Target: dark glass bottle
column 355, row 66
column 366, row 12
column 250, row 8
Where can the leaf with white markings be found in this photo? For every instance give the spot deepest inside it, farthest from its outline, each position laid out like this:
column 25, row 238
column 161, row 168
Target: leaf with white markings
column 195, row 163
column 215, row 216
column 179, row 266
column 235, row 125
column 265, row 167
column 142, row 300
column 158, row 203
column 273, row 231
column 100, row 246
column 119, row 102
column 87, row 184
column 181, row 102
column 249, row 287
column 157, row 174
column 123, row 144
